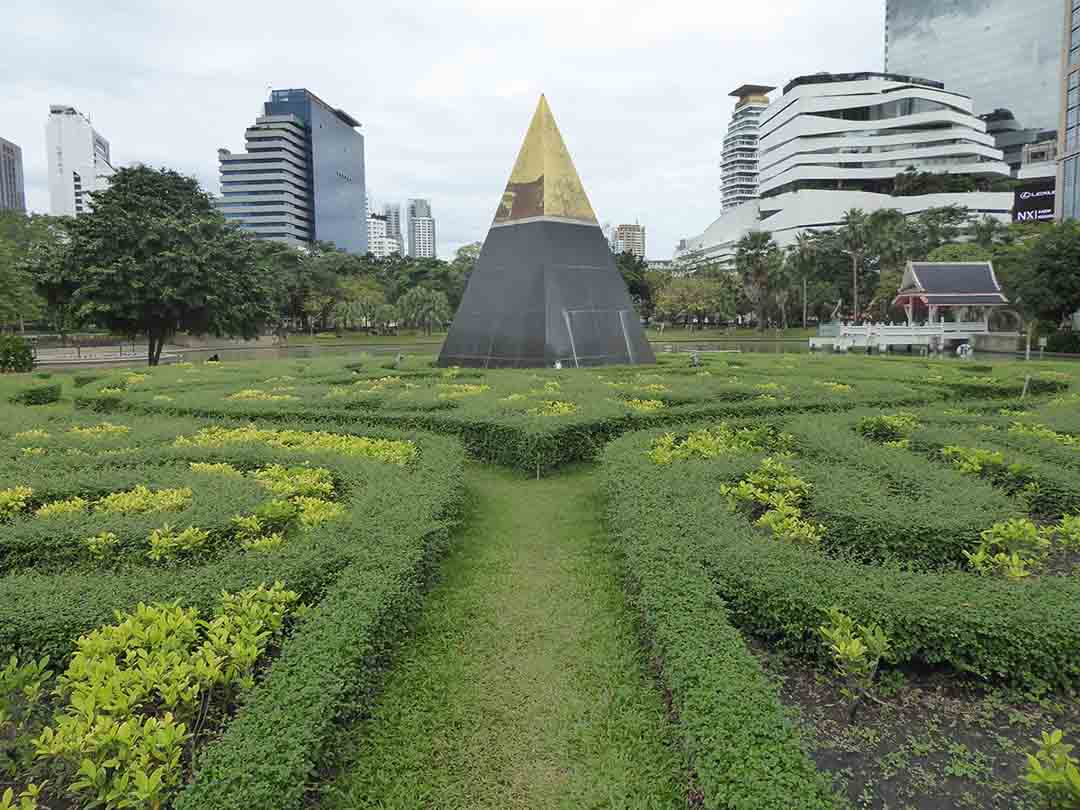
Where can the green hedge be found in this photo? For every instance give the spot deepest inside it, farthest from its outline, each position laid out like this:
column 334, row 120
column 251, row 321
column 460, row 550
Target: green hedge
column 364, row 575
column 882, row 503
column 739, row 741
column 38, row 395
column 1027, row 633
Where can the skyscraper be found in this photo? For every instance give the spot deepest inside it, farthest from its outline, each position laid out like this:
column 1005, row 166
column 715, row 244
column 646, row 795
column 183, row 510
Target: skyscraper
column 392, row 212
column 422, row 244
column 1068, row 181
column 1001, row 53
column 12, row 189
column 301, row 177
column 740, row 164
column 79, row 162
column 628, row 239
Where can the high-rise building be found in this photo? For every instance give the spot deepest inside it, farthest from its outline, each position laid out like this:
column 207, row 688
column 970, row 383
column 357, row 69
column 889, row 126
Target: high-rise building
column 301, row 177
column 12, row 188
column 834, row 142
column 1002, row 53
column 79, row 162
column 392, row 212
column 628, row 239
column 422, row 243
column 380, row 243
column 858, row 131
column 740, row 162
column 1068, row 93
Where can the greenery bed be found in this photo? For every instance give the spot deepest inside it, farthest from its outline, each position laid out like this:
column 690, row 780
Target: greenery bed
column 361, row 572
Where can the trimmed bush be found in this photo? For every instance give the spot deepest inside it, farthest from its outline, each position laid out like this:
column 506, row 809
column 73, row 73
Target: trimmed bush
column 38, row 395
column 1027, row 634
column 16, row 354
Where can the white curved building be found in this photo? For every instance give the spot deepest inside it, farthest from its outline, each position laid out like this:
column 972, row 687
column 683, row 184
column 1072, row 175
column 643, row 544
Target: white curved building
column 857, row 131
column 740, row 161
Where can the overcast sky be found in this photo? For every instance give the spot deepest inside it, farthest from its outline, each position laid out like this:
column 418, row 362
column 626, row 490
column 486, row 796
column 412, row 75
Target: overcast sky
column 444, row 88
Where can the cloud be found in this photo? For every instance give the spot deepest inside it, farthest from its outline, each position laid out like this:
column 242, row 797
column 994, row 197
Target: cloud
column 444, row 89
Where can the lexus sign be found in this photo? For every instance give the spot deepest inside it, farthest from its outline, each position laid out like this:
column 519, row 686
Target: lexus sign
column 1034, row 201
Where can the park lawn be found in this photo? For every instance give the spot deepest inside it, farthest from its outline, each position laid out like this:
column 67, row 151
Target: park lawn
column 524, row 685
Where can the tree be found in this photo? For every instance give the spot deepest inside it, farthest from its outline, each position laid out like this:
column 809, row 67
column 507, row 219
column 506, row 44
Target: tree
column 854, row 240
column 424, row 307
column 20, row 234
column 693, row 296
column 961, row 252
column 154, row 257
column 987, row 232
column 1047, row 285
column 758, row 261
column 360, row 298
column 634, row 272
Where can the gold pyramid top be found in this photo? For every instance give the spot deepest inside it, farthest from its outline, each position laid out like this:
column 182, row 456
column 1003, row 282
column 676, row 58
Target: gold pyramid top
column 544, row 182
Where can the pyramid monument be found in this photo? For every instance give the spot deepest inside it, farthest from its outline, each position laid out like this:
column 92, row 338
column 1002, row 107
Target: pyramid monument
column 545, row 289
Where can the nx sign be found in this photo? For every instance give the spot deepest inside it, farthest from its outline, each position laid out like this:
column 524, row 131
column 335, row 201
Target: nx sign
column 1034, row 201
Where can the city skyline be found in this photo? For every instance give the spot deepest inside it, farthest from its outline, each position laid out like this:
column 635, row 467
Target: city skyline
column 439, row 130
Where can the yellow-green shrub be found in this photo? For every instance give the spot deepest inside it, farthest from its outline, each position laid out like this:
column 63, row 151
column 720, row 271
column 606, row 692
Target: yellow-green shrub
column 142, row 499
column 13, row 500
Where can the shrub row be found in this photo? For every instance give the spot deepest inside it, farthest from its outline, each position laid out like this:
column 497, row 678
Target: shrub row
column 740, row 743
column 364, row 576
column 1026, row 633
column 883, row 503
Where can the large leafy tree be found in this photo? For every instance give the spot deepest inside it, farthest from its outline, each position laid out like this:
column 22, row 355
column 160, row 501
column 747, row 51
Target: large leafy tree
column 1046, row 286
column 634, row 272
column 21, row 234
column 154, row 258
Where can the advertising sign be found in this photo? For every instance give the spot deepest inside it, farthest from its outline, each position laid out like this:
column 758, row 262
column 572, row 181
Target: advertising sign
column 1034, row 201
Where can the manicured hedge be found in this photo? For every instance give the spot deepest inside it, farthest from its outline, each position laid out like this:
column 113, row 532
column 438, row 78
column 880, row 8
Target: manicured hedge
column 1025, row 633
column 739, row 742
column 38, row 394
column 883, row 503
column 364, row 576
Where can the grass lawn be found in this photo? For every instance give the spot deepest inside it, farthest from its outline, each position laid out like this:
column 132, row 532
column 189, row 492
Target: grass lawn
column 523, row 686
column 680, row 334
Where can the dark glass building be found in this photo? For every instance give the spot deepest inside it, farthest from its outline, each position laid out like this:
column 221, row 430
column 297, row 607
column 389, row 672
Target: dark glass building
column 1004, row 54
column 301, row 177
column 1068, row 200
column 12, row 190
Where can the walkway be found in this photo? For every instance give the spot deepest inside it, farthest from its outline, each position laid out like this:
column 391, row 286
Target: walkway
column 524, row 686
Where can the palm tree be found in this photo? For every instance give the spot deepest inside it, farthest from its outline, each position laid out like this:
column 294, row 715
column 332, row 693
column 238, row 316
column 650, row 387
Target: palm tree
column 424, row 307
column 853, row 237
column 757, row 260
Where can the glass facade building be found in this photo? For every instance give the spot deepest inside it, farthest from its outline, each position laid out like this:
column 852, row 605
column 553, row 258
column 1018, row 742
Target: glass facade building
column 1004, row 54
column 12, row 189
column 1068, row 201
column 302, row 175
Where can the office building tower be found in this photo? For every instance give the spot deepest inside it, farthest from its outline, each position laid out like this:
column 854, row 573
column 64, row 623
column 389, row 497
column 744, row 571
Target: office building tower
column 301, row 176
column 1068, row 93
column 12, row 188
column 392, row 212
column 858, row 131
column 835, row 142
column 422, row 243
column 1003, row 53
column 79, row 161
column 380, row 243
column 740, row 162
column 628, row 239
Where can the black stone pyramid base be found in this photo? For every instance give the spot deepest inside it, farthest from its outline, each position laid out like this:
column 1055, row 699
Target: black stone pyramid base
column 544, row 292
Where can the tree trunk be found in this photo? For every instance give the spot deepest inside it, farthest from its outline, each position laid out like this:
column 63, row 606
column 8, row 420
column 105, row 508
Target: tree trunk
column 151, row 356
column 854, row 287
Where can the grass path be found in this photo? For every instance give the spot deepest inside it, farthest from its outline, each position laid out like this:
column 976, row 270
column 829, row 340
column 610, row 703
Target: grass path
column 523, row 686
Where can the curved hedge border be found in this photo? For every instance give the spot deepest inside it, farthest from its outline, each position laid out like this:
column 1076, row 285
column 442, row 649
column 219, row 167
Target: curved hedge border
column 1026, row 634
column 738, row 739
column 366, row 577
